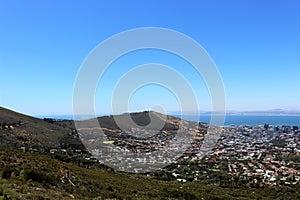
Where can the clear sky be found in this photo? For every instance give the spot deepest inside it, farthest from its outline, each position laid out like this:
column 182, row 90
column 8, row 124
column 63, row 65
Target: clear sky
column 255, row 45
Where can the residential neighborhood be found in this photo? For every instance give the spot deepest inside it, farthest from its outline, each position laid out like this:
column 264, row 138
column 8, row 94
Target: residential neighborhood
column 259, row 155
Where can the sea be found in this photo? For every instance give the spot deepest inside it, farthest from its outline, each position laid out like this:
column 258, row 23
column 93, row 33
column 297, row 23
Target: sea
column 253, row 120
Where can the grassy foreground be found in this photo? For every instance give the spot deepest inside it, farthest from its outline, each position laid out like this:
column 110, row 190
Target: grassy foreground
column 31, row 176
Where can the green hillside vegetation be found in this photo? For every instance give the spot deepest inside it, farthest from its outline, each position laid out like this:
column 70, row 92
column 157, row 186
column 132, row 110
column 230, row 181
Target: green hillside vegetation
column 31, row 176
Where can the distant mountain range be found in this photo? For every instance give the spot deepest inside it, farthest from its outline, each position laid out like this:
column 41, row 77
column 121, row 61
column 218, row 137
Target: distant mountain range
column 265, row 112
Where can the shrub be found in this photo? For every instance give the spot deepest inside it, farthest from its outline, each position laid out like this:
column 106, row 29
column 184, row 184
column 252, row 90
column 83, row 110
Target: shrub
column 7, row 172
column 39, row 176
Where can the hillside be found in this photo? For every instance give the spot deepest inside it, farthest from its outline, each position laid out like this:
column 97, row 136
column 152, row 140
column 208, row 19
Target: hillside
column 32, row 176
column 140, row 119
column 70, row 173
column 19, row 130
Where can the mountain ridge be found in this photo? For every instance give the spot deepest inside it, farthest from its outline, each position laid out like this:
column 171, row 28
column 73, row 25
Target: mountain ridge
column 19, row 130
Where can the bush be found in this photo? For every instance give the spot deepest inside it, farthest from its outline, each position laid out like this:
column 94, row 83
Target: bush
column 7, row 172
column 39, row 176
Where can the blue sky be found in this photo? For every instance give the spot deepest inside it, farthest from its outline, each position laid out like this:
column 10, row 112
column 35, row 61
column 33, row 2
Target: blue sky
column 255, row 45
